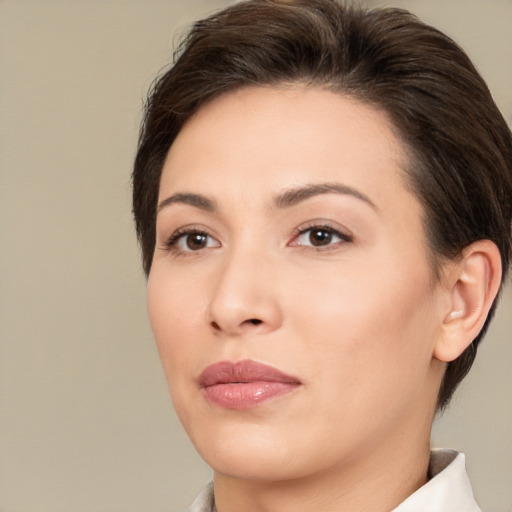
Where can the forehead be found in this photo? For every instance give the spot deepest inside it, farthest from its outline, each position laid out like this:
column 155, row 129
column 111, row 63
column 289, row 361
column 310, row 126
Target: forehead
column 272, row 137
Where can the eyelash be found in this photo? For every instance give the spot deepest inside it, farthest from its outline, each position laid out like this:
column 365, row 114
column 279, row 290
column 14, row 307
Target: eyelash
column 344, row 238
column 171, row 245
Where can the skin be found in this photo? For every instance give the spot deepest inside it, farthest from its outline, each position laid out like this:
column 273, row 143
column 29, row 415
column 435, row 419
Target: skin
column 357, row 320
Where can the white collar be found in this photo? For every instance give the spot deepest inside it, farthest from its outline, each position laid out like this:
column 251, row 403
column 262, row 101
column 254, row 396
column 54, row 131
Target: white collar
column 448, row 489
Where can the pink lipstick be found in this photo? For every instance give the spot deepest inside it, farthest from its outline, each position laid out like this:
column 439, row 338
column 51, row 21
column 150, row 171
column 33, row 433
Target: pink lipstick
column 244, row 384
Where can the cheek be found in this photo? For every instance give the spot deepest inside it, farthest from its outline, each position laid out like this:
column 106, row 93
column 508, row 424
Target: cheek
column 175, row 316
column 378, row 324
column 173, row 308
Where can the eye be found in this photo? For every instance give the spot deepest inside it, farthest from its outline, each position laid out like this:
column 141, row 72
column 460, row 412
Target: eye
column 190, row 240
column 320, row 236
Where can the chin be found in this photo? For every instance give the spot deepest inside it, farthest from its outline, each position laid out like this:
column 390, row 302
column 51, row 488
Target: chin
column 263, row 452
column 255, row 464
column 247, row 451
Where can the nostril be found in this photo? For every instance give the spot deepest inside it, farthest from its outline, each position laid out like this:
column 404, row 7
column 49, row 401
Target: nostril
column 250, row 321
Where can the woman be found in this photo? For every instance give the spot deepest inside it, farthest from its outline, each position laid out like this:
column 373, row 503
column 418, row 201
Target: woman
column 323, row 197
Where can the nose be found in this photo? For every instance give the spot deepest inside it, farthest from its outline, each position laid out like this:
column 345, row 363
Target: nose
column 245, row 297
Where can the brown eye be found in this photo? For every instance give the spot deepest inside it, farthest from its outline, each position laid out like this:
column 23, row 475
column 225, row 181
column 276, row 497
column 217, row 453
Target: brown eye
column 183, row 241
column 196, row 241
column 320, row 237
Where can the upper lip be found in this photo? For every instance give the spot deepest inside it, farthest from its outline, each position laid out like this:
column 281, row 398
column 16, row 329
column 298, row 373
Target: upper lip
column 228, row 372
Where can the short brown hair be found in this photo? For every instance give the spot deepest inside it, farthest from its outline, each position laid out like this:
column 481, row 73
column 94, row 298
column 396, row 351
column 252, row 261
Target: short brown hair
column 460, row 146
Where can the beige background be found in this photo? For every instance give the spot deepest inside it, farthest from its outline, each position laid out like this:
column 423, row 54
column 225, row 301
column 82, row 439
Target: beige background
column 86, row 423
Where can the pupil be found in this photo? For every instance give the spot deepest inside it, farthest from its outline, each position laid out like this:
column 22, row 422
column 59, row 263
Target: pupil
column 196, row 241
column 320, row 237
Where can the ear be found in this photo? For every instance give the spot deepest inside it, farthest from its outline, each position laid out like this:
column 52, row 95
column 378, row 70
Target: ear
column 472, row 285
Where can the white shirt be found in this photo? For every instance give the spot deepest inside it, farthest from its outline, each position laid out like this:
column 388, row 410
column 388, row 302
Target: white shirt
column 448, row 489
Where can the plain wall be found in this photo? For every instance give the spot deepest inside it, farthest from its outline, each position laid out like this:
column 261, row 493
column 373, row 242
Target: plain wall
column 86, row 424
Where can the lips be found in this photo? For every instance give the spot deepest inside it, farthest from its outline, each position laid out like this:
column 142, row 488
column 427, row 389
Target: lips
column 244, row 384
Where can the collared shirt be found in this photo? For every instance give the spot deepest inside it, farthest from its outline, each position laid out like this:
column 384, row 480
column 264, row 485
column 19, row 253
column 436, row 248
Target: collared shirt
column 448, row 489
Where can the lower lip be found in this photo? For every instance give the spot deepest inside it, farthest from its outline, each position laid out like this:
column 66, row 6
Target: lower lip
column 246, row 395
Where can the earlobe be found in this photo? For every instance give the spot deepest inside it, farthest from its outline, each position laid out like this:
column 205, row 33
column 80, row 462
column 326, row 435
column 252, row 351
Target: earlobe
column 473, row 284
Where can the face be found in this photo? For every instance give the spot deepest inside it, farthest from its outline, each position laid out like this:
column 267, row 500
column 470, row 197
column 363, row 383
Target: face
column 290, row 294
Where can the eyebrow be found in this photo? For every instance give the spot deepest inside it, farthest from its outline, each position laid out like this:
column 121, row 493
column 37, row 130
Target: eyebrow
column 197, row 200
column 294, row 196
column 286, row 199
